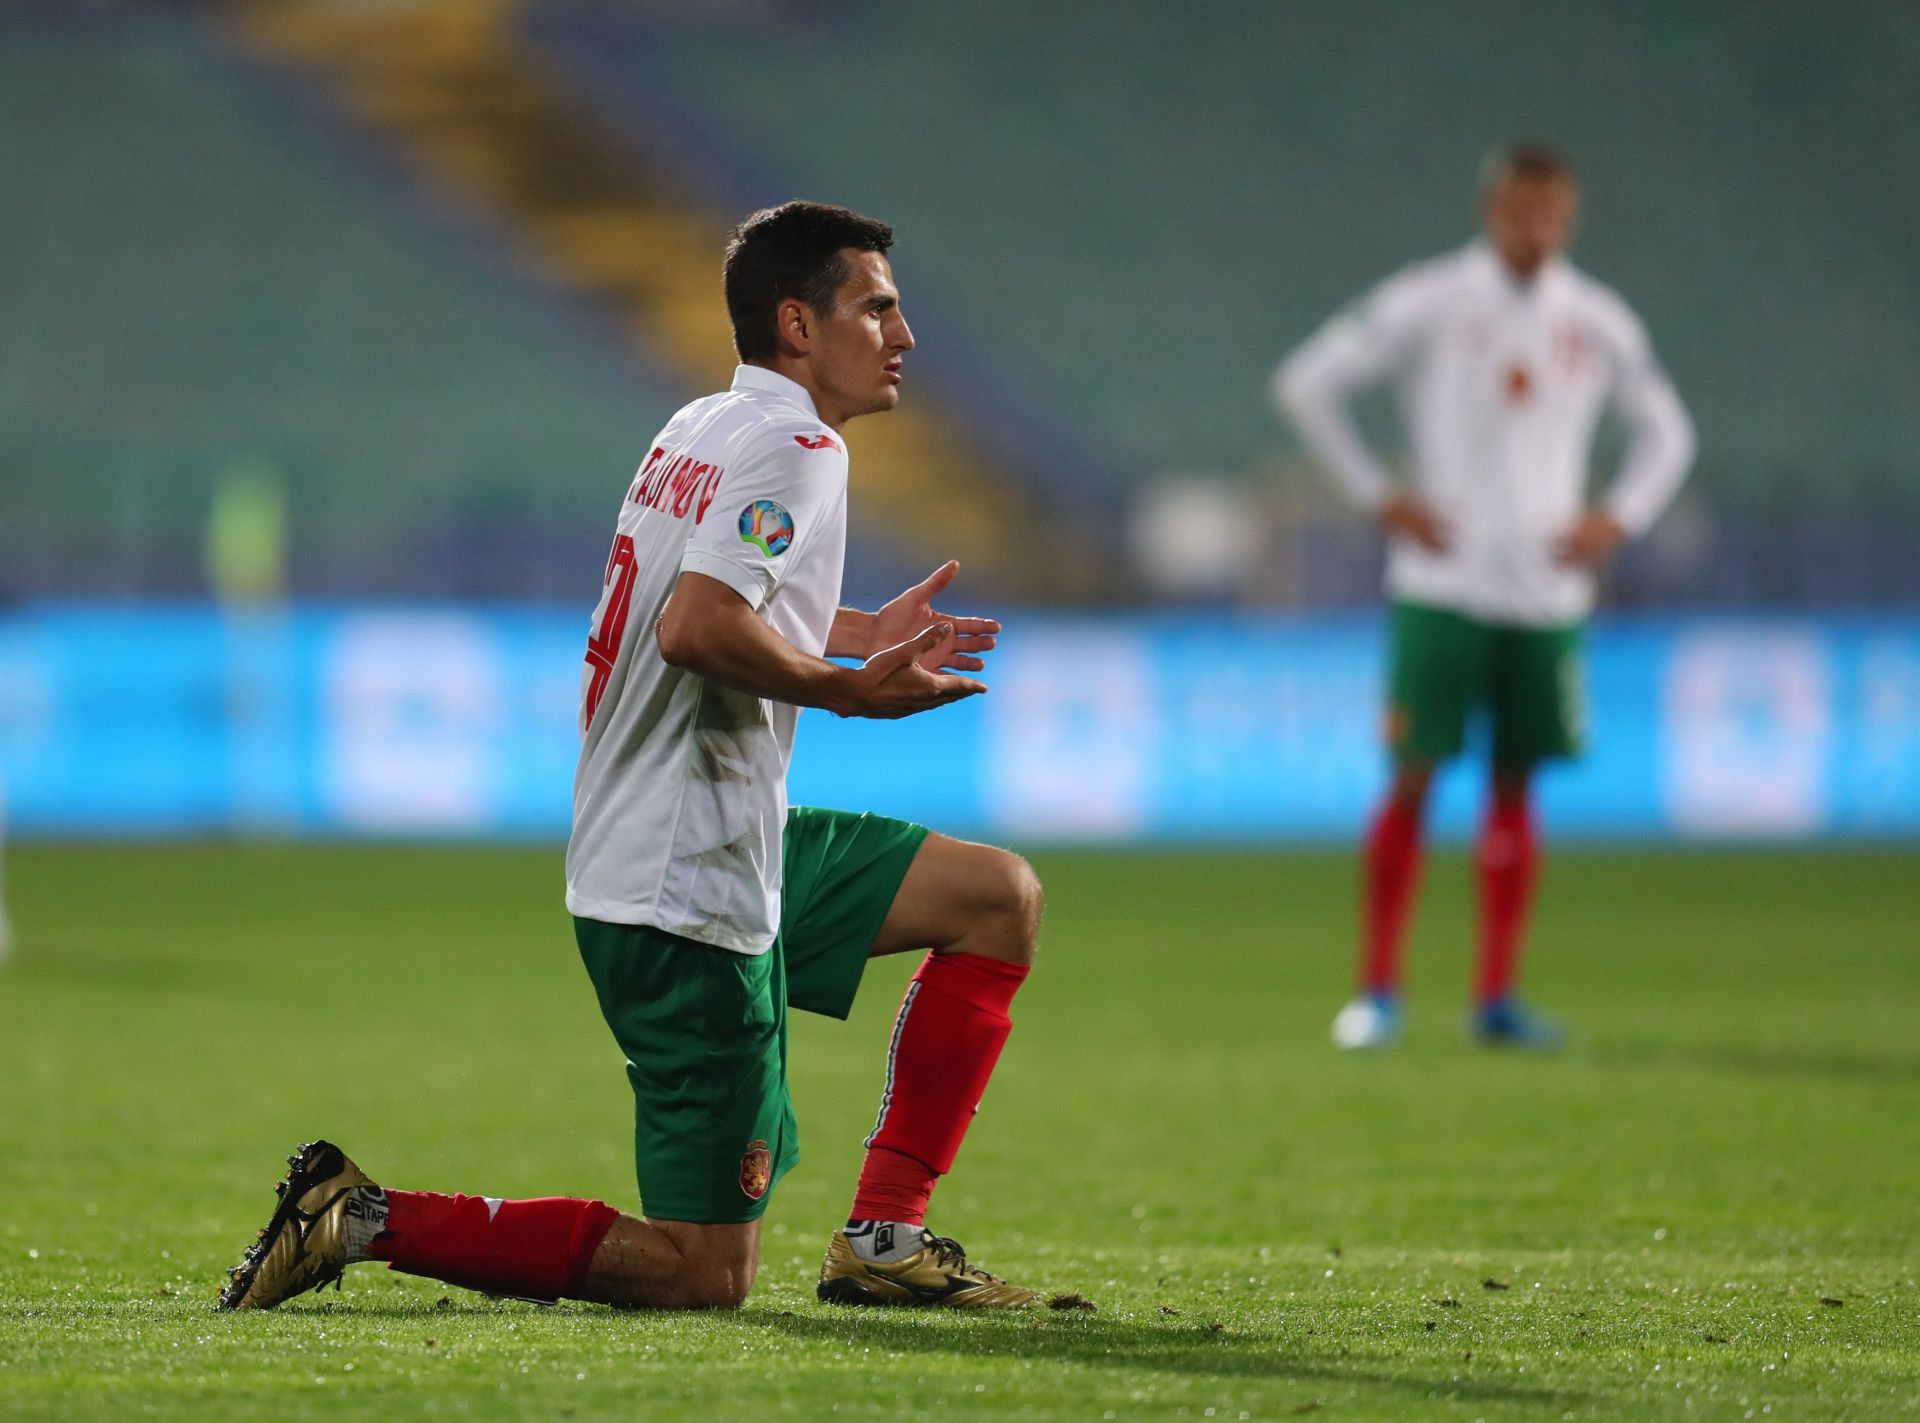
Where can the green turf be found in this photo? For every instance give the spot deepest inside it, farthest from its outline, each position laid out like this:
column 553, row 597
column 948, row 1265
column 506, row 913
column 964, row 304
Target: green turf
column 1270, row 1230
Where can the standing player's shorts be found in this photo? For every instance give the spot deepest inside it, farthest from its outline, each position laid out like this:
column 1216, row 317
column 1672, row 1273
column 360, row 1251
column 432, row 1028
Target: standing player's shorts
column 1447, row 666
column 705, row 1029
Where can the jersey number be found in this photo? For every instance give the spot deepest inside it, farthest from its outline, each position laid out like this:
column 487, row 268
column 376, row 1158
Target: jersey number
column 603, row 643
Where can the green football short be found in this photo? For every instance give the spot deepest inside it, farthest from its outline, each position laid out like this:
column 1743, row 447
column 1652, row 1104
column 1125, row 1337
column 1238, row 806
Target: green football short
column 705, row 1029
column 1447, row 667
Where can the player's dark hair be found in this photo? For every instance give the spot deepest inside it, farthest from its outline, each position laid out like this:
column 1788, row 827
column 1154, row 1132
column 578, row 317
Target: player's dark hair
column 1531, row 160
column 790, row 252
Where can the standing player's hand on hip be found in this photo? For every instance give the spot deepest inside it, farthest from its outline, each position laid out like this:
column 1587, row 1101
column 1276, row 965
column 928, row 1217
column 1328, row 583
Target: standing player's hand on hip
column 1590, row 542
column 1408, row 516
column 913, row 610
column 897, row 682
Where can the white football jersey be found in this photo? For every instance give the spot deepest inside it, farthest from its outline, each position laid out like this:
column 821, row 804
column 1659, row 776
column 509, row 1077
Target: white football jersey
column 1500, row 386
column 680, row 799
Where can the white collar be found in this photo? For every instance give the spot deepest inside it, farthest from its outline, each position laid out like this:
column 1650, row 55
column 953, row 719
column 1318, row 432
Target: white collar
column 760, row 378
column 1553, row 272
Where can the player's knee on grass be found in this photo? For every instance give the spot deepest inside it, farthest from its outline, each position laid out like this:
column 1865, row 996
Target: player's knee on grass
column 720, row 1262
column 717, row 1267
column 644, row 1264
column 716, row 1284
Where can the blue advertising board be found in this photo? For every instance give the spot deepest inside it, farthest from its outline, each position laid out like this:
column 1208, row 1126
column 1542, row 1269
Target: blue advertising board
column 460, row 721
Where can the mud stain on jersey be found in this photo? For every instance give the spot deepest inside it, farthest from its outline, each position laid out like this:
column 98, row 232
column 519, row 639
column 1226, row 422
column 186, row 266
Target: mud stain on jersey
column 723, row 709
column 737, row 856
column 718, row 759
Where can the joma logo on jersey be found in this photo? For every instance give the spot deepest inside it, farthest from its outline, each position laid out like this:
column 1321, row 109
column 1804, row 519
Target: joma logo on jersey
column 676, row 484
column 815, row 442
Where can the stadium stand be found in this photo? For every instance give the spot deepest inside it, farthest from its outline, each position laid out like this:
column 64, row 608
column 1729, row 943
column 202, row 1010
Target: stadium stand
column 447, row 83
column 1753, row 180
column 214, row 280
column 237, row 281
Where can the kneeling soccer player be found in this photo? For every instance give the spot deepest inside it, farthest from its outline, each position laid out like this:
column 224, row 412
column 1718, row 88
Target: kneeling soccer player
column 704, row 907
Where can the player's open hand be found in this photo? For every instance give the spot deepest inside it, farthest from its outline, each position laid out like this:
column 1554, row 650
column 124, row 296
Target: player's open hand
column 1408, row 516
column 897, row 682
column 913, row 610
column 1589, row 543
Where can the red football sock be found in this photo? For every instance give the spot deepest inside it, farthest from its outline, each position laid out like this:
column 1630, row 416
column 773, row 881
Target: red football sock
column 945, row 1043
column 1509, row 865
column 1392, row 876
column 537, row 1249
column 892, row 1187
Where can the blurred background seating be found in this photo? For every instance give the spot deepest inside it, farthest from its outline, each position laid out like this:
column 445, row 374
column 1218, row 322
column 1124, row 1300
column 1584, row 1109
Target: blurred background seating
column 378, row 301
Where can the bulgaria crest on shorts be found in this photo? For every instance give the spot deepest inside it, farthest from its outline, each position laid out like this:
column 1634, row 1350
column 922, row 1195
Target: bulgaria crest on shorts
column 767, row 526
column 756, row 1170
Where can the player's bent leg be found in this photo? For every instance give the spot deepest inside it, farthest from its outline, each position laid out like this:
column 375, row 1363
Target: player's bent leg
column 977, row 910
column 331, row 1215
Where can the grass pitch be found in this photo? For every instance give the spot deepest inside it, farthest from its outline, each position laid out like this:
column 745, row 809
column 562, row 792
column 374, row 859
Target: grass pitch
column 1706, row 1208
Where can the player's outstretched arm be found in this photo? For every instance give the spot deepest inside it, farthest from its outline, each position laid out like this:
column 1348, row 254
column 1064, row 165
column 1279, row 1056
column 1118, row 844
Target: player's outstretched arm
column 858, row 634
column 709, row 629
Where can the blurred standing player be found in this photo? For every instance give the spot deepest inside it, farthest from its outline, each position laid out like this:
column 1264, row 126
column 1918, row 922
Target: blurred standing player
column 1502, row 355
column 704, row 908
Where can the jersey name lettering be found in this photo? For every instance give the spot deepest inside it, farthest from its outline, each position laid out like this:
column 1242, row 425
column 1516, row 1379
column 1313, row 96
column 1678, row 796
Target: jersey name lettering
column 676, row 484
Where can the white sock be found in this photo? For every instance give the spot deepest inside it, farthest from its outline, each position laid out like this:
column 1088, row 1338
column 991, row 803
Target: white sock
column 884, row 1241
column 362, row 1216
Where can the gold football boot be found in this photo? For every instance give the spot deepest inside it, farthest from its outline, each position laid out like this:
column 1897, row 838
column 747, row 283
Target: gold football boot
column 303, row 1247
column 936, row 1273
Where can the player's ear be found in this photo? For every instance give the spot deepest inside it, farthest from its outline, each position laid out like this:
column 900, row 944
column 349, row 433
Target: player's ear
column 793, row 324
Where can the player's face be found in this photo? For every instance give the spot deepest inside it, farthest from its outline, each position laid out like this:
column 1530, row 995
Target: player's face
column 857, row 347
column 1530, row 220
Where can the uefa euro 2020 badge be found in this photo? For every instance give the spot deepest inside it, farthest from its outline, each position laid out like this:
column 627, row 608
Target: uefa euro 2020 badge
column 767, row 526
